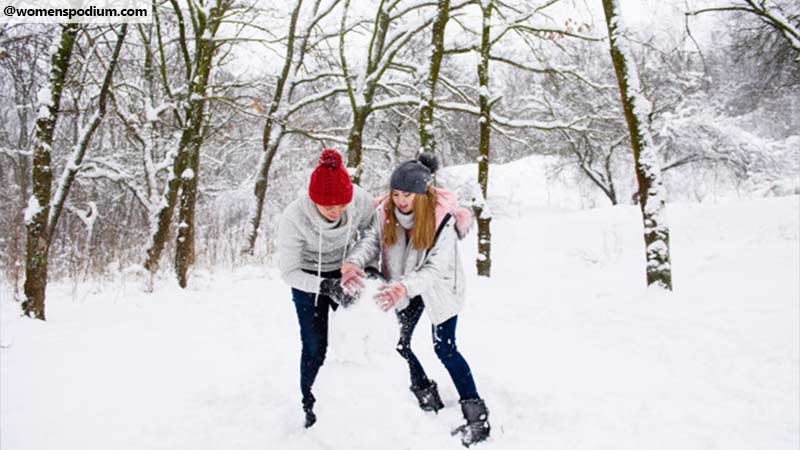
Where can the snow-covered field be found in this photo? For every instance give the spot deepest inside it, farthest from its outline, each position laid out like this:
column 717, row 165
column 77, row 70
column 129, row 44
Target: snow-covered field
column 569, row 349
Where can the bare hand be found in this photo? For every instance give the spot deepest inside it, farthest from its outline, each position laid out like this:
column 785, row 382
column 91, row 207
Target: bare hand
column 352, row 278
column 389, row 294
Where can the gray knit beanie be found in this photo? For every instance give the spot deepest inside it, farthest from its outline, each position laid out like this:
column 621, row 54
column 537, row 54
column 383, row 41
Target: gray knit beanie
column 415, row 175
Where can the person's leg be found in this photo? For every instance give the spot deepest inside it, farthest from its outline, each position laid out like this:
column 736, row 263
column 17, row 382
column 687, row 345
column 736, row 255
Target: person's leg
column 423, row 388
column 313, row 320
column 444, row 343
column 408, row 318
column 473, row 408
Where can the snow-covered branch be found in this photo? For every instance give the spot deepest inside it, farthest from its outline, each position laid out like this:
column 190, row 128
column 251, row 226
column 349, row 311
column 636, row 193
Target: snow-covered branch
column 513, row 123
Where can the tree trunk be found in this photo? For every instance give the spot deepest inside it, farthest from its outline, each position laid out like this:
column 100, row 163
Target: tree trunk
column 648, row 172
column 355, row 142
column 484, row 260
column 74, row 164
column 611, row 192
column 427, row 141
column 188, row 150
column 362, row 107
column 184, row 246
column 271, row 137
column 38, row 211
column 163, row 217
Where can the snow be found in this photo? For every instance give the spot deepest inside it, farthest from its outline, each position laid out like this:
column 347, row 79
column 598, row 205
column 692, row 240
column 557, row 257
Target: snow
column 152, row 113
column 187, row 174
column 44, row 98
column 87, row 217
column 32, row 210
column 205, row 8
column 568, row 347
column 398, row 100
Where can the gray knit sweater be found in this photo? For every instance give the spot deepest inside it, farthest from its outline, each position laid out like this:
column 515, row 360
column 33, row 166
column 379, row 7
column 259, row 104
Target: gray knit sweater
column 306, row 241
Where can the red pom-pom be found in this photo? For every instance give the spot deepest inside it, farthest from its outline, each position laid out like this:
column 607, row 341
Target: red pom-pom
column 330, row 159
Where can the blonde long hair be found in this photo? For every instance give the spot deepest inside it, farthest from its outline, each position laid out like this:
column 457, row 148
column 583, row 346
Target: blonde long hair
column 424, row 229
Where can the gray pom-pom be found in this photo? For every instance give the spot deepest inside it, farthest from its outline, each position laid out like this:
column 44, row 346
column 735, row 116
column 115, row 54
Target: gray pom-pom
column 430, row 161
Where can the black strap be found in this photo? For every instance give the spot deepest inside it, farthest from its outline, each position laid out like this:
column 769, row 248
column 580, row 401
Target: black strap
column 445, row 219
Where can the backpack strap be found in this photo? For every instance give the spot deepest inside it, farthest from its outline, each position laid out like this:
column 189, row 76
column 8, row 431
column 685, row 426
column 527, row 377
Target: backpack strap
column 445, row 219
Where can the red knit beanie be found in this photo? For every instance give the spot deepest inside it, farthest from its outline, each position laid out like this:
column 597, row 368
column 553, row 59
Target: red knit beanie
column 330, row 183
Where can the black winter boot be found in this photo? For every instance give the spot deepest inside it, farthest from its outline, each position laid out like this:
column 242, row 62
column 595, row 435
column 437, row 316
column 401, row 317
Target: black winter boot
column 308, row 409
column 477, row 427
column 311, row 418
column 428, row 397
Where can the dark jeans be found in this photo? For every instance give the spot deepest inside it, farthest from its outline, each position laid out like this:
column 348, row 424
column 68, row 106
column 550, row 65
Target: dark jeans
column 313, row 321
column 444, row 344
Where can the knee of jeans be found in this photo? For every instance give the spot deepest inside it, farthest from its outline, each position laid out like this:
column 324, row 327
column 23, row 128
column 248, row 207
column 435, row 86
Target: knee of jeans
column 445, row 350
column 404, row 349
column 315, row 350
column 320, row 356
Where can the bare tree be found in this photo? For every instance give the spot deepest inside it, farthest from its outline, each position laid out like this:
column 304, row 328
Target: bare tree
column 206, row 25
column 490, row 42
column 484, row 259
column 782, row 16
column 381, row 53
column 427, row 141
column 648, row 172
column 43, row 210
column 21, row 50
column 197, row 65
column 283, row 105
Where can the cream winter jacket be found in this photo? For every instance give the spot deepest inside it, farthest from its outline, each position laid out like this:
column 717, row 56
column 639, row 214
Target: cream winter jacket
column 436, row 275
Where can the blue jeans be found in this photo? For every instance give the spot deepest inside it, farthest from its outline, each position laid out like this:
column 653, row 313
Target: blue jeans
column 444, row 344
column 313, row 321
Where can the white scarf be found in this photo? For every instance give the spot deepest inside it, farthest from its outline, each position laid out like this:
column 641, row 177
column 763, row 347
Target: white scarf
column 405, row 220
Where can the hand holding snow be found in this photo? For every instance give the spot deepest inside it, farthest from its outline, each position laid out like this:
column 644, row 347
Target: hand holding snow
column 389, row 294
column 362, row 332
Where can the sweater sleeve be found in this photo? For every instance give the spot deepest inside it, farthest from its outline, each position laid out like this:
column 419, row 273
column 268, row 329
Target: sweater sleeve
column 290, row 247
column 441, row 256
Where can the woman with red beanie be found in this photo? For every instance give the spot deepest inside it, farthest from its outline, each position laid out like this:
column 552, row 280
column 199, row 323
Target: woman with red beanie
column 314, row 235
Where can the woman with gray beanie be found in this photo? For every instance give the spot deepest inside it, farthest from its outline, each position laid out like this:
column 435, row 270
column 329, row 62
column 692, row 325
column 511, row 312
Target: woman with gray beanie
column 415, row 240
column 314, row 234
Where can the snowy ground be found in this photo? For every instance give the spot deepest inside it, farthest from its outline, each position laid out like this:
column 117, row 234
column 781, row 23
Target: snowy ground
column 568, row 348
